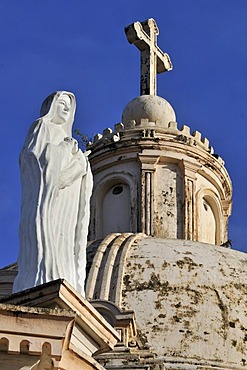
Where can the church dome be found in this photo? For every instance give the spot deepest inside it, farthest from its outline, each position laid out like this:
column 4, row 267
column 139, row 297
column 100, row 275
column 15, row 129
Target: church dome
column 150, row 107
column 188, row 297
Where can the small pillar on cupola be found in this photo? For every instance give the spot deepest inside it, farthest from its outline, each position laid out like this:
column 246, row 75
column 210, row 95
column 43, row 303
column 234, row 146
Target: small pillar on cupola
column 151, row 176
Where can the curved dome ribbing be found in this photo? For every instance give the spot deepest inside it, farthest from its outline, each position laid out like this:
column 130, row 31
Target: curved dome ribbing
column 188, row 297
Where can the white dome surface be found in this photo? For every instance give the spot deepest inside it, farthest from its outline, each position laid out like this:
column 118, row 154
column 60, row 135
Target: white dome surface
column 151, row 107
column 189, row 298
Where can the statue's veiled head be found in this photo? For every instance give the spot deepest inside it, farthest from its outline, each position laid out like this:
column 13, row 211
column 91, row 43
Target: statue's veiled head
column 59, row 108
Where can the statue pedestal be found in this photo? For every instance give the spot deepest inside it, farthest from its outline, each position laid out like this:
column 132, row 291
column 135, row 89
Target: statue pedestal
column 51, row 326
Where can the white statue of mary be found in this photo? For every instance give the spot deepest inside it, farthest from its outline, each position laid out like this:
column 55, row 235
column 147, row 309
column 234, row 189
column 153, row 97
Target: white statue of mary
column 56, row 189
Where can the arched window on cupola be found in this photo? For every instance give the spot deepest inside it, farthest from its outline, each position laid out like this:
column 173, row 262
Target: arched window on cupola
column 116, row 208
column 208, row 217
column 114, row 205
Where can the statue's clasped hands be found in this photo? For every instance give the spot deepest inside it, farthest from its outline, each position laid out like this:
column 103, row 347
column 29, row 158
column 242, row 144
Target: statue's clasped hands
column 74, row 144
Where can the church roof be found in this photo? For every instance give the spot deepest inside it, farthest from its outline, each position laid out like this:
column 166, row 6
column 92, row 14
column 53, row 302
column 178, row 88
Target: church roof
column 189, row 298
column 11, row 267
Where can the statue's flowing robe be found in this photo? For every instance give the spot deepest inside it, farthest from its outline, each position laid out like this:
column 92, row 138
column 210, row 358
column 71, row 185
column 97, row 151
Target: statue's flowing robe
column 56, row 189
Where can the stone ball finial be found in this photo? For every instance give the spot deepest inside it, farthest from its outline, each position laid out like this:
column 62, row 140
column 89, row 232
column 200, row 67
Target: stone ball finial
column 151, row 107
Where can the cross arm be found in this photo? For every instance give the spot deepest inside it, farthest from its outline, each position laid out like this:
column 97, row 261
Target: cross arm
column 137, row 36
column 163, row 61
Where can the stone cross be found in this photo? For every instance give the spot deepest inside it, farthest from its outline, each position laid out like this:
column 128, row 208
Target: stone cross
column 144, row 36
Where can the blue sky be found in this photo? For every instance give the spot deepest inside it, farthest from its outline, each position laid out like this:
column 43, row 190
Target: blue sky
column 80, row 46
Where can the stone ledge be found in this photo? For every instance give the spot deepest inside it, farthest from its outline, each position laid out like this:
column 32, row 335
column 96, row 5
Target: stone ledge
column 89, row 331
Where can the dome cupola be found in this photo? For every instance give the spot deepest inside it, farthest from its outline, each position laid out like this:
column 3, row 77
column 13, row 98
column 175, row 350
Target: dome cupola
column 152, row 176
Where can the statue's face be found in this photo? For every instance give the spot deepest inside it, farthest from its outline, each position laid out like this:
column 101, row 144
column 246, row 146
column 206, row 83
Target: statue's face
column 62, row 112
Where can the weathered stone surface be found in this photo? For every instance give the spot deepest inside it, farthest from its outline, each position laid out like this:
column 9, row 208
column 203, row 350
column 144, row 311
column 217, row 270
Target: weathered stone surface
column 188, row 297
column 172, row 186
column 153, row 108
column 144, row 36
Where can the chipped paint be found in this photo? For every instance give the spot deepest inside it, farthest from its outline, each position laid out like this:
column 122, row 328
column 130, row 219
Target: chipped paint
column 184, row 304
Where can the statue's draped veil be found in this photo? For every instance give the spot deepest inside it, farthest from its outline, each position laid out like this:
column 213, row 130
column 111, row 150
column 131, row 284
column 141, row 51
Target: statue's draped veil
column 42, row 130
column 54, row 218
column 48, row 107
